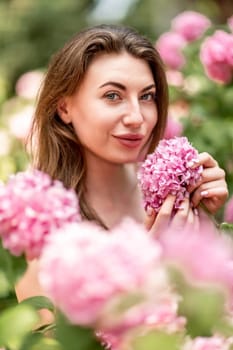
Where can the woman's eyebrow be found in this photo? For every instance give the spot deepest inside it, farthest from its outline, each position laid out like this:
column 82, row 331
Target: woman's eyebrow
column 122, row 87
column 114, row 83
column 152, row 86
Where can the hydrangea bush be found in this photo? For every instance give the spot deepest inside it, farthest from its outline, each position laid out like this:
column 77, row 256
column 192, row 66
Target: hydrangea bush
column 120, row 289
column 198, row 57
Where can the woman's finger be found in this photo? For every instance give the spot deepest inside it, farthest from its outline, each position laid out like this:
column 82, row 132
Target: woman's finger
column 208, row 176
column 150, row 218
column 184, row 216
column 216, row 191
column 163, row 217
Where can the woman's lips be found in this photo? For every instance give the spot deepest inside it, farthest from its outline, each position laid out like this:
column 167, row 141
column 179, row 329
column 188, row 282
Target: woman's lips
column 130, row 140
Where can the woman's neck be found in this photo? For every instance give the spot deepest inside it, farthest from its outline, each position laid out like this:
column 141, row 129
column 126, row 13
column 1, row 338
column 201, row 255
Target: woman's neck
column 113, row 192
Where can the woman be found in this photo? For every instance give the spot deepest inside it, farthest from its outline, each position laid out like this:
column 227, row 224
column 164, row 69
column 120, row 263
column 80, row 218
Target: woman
column 101, row 110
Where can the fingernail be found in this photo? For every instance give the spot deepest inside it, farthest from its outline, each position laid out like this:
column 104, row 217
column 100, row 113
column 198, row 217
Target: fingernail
column 149, row 211
column 195, row 211
column 204, row 193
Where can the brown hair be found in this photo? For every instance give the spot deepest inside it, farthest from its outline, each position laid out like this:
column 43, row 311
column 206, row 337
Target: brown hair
column 57, row 150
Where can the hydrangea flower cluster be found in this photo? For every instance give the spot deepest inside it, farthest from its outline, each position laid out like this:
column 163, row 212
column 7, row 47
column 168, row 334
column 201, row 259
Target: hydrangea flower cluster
column 217, row 57
column 186, row 27
column 101, row 269
column 190, row 25
column 168, row 171
column 209, row 343
column 217, row 250
column 31, row 207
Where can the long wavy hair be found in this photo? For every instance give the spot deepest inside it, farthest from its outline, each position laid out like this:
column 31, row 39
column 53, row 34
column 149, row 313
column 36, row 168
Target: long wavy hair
column 55, row 147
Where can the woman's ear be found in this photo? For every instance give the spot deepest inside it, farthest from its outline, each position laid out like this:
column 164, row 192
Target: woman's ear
column 62, row 111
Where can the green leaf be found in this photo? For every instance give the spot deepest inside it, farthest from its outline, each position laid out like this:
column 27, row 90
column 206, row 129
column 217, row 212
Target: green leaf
column 39, row 342
column 5, row 286
column 202, row 307
column 39, row 302
column 226, row 227
column 15, row 323
column 72, row 337
column 13, row 267
column 156, row 340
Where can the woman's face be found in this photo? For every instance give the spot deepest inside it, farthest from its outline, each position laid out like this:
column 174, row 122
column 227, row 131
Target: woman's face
column 113, row 111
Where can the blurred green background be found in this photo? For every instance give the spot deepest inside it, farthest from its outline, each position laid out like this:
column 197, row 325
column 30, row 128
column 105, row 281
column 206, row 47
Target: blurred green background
column 32, row 30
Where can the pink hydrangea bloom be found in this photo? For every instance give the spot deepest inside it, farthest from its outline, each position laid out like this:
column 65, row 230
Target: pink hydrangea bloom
column 28, row 84
column 228, row 214
column 169, row 46
column 161, row 315
column 230, row 23
column 20, row 122
column 174, row 77
column 215, row 266
column 100, row 268
column 211, row 343
column 31, row 207
column 190, row 24
column 216, row 55
column 168, row 171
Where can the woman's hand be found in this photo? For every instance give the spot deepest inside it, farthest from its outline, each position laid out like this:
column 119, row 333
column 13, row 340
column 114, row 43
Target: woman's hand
column 211, row 190
column 185, row 216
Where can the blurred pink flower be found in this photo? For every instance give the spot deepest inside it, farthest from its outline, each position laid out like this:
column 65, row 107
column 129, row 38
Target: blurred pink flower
column 216, row 55
column 173, row 128
column 28, row 84
column 174, row 77
column 169, row 46
column 215, row 267
column 100, row 269
column 230, row 23
column 161, row 315
column 228, row 213
column 168, row 171
column 31, row 207
column 20, row 123
column 190, row 25
column 211, row 343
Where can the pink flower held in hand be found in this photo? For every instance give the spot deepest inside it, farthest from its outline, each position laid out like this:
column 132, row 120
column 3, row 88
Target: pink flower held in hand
column 169, row 46
column 31, row 207
column 168, row 171
column 98, row 268
column 190, row 25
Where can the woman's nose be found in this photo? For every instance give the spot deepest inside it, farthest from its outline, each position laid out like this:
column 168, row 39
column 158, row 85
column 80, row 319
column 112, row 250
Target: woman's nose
column 133, row 116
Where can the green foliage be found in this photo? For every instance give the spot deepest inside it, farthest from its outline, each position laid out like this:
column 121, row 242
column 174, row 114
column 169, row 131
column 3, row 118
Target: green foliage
column 203, row 305
column 71, row 336
column 11, row 268
column 12, row 330
column 32, row 30
column 158, row 340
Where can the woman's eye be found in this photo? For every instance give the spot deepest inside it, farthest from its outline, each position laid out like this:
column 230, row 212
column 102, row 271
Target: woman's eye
column 149, row 96
column 112, row 96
